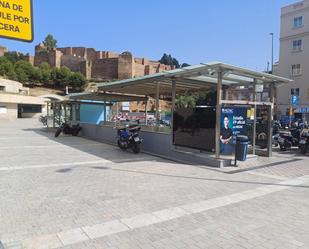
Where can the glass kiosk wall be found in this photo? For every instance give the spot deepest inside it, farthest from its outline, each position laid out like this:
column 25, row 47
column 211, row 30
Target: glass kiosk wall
column 195, row 128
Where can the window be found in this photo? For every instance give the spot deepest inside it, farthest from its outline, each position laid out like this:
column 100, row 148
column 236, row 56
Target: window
column 296, row 69
column 3, row 110
column 2, row 88
column 295, row 91
column 298, row 22
column 30, row 108
column 297, row 45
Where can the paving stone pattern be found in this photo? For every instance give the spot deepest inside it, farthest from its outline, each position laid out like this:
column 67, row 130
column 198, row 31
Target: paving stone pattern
column 71, row 192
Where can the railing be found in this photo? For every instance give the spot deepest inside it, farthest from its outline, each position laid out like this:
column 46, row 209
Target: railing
column 149, row 128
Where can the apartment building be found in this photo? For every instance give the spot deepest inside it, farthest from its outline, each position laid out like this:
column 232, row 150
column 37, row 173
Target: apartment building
column 294, row 60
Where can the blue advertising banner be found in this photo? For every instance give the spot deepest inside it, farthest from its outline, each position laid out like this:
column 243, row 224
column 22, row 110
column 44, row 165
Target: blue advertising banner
column 295, row 100
column 233, row 123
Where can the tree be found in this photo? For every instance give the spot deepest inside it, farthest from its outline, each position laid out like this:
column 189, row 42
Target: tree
column 185, row 65
column 45, row 72
column 76, row 80
column 60, row 76
column 169, row 60
column 24, row 71
column 13, row 56
column 50, row 42
column 7, row 68
column 206, row 98
column 203, row 98
column 36, row 76
column 185, row 101
column 175, row 63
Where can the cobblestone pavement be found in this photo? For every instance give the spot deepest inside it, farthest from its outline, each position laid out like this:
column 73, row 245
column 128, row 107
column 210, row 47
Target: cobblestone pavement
column 71, row 192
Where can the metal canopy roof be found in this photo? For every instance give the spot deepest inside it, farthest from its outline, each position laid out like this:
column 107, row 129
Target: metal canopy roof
column 193, row 78
column 109, row 97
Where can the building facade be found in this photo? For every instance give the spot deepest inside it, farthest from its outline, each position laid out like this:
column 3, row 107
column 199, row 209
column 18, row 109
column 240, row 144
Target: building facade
column 15, row 101
column 294, row 60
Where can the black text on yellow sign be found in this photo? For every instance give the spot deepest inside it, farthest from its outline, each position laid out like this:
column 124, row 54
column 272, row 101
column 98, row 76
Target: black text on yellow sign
column 16, row 20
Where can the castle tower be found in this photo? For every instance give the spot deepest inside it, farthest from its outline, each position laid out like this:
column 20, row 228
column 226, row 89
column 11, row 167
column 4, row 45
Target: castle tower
column 125, row 66
column 3, row 50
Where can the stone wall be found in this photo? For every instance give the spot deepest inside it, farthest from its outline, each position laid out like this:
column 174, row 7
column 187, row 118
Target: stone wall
column 41, row 57
column 3, row 50
column 125, row 66
column 104, row 65
column 104, row 69
column 85, row 68
column 72, row 62
column 29, row 58
column 139, row 70
column 55, row 57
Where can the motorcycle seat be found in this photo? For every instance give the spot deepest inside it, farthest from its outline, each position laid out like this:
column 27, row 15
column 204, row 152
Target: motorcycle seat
column 134, row 128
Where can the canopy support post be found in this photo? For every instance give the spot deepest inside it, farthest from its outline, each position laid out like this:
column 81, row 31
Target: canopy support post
column 173, row 106
column 105, row 111
column 158, row 105
column 65, row 113
column 218, row 113
column 270, row 120
column 146, row 111
column 254, row 118
column 54, row 118
column 73, row 111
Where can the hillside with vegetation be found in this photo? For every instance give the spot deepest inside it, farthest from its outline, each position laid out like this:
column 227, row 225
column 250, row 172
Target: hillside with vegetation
column 14, row 67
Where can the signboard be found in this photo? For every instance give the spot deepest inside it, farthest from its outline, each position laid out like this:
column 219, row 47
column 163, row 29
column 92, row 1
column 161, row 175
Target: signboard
column 295, row 100
column 259, row 88
column 304, row 110
column 125, row 106
column 16, row 20
column 233, row 123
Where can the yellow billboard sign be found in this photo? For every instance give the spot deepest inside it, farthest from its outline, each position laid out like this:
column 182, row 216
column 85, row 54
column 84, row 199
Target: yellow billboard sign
column 16, row 20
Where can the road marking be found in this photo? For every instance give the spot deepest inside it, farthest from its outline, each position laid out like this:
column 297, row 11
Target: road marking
column 53, row 165
column 143, row 220
column 47, row 146
column 71, row 164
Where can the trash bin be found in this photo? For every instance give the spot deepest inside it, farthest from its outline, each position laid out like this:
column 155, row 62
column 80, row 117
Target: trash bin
column 241, row 148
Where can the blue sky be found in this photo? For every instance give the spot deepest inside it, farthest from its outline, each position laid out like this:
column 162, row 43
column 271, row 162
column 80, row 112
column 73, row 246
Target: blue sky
column 193, row 31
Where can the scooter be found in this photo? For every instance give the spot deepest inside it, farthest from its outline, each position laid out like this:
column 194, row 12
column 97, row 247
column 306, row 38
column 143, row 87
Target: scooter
column 68, row 129
column 304, row 142
column 128, row 137
column 289, row 139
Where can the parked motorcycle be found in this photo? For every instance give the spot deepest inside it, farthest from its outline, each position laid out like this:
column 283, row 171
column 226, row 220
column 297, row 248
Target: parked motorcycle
column 68, row 129
column 128, row 137
column 290, row 138
column 43, row 120
column 304, row 142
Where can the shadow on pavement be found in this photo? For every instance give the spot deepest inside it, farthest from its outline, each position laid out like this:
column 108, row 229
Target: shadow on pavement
column 101, row 150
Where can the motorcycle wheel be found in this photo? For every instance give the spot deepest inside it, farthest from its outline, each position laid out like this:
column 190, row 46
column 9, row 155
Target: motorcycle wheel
column 136, row 148
column 57, row 133
column 282, row 148
column 119, row 145
column 303, row 150
column 76, row 131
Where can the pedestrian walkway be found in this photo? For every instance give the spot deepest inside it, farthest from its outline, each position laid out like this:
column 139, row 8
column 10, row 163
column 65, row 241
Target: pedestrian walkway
column 75, row 193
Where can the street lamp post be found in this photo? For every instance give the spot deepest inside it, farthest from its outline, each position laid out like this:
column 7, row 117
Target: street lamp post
column 272, row 52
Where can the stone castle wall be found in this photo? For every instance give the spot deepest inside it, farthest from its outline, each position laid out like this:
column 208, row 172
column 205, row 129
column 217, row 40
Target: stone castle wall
column 103, row 65
column 105, row 69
